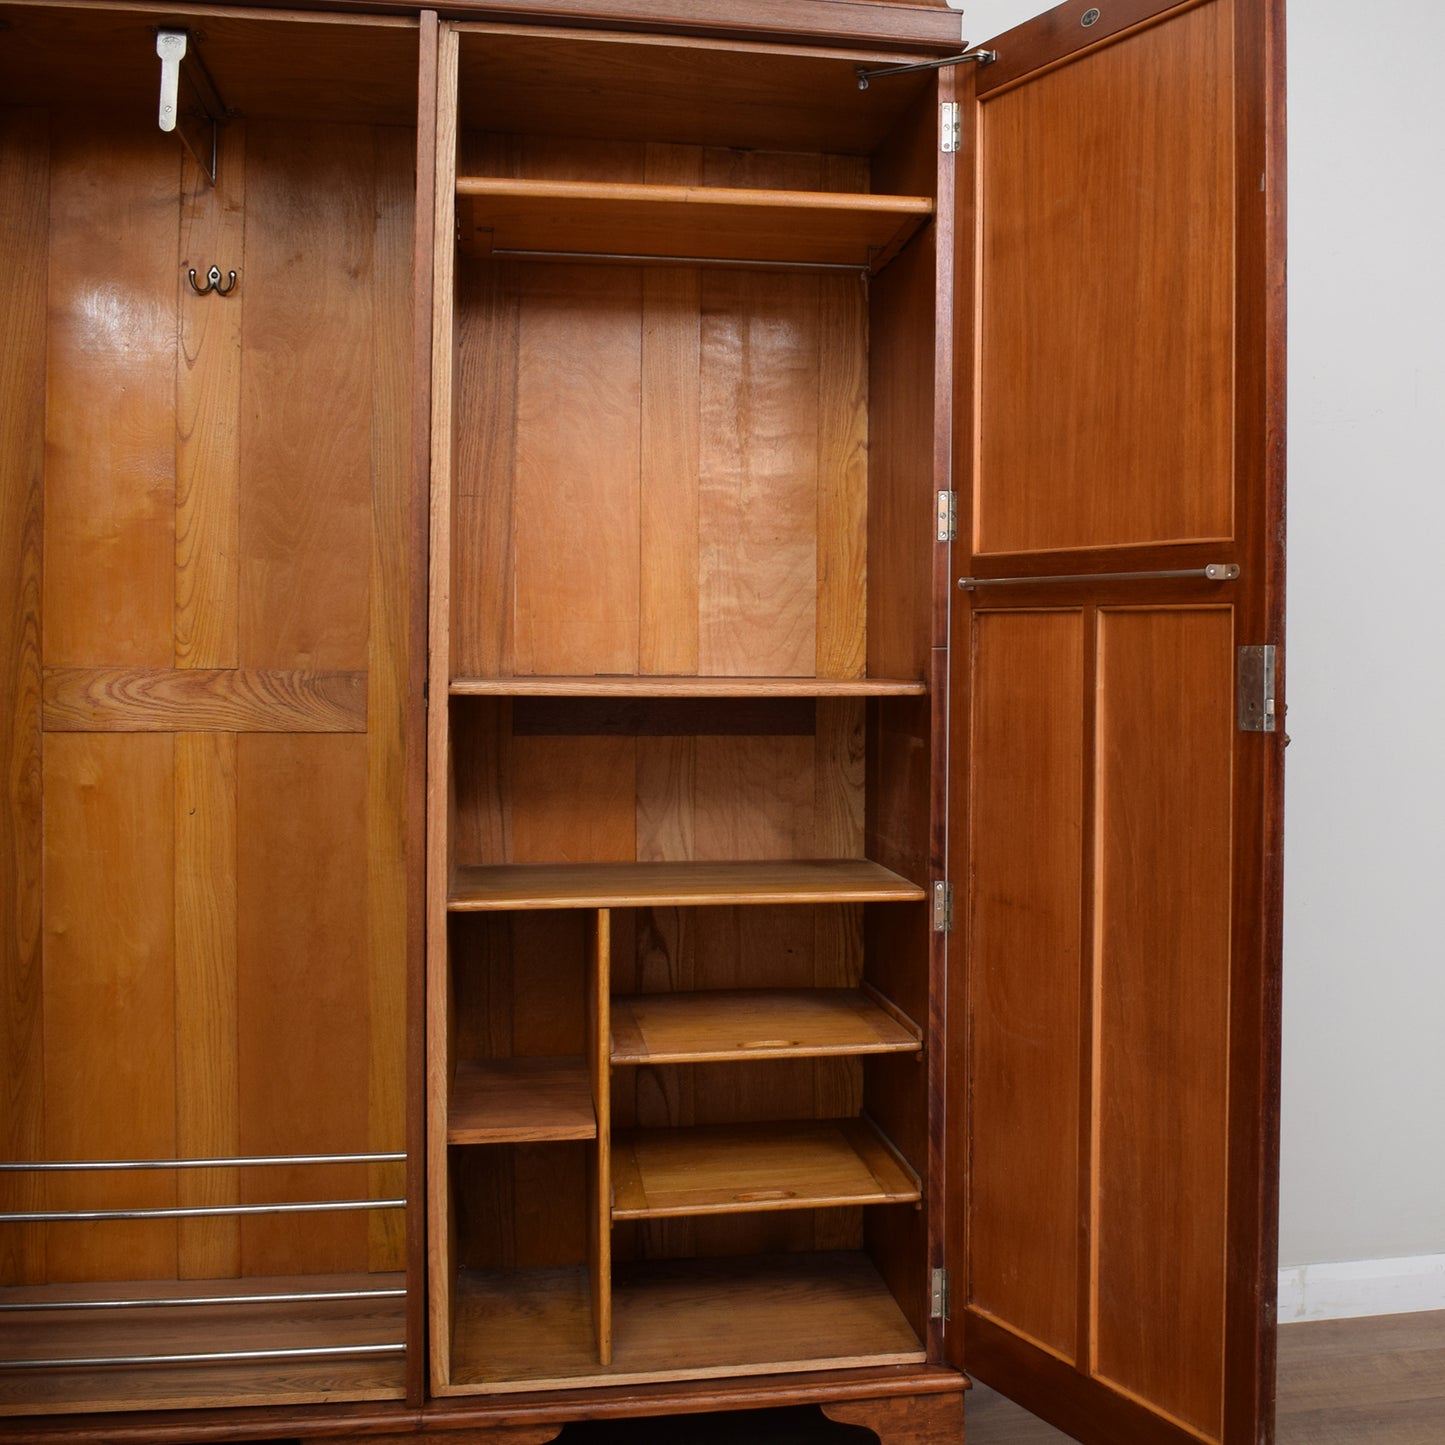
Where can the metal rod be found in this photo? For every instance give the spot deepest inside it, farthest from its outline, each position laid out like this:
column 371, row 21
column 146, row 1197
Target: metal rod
column 298, row 1297
column 211, row 1357
column 86, row 1165
column 984, row 57
column 203, row 1211
column 732, row 261
column 1215, row 572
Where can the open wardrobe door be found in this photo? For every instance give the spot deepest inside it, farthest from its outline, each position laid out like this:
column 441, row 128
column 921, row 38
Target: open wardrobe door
column 1117, row 722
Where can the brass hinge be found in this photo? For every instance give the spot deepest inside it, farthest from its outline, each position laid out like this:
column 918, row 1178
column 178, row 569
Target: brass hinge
column 940, row 1304
column 1254, row 690
column 943, row 907
column 947, row 516
column 950, row 127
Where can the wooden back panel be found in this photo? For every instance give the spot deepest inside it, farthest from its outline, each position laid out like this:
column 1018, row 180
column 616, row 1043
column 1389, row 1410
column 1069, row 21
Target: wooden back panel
column 225, row 490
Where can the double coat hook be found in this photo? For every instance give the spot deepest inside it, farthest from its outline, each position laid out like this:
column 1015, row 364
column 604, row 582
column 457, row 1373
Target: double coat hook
column 213, row 282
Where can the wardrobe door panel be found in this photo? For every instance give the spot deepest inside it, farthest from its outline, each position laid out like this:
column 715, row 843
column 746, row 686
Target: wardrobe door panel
column 1114, row 831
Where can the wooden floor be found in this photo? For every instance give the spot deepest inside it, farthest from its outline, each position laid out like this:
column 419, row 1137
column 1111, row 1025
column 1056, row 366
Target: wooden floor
column 1341, row 1382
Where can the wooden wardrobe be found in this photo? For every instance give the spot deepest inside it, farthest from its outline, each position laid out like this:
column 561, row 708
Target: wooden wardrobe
column 641, row 759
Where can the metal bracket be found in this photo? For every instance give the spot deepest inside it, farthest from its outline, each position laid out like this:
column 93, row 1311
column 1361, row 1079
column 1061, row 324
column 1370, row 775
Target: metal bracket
column 940, row 1303
column 983, row 57
column 1254, row 690
column 947, row 516
column 950, row 127
column 203, row 102
column 943, row 907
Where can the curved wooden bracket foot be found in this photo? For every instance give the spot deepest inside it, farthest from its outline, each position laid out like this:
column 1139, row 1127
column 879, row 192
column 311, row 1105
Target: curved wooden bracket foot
column 905, row 1419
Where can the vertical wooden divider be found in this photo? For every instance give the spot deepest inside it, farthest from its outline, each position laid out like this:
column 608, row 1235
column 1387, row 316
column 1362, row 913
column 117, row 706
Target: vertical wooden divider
column 440, row 1215
column 418, row 522
column 599, row 1060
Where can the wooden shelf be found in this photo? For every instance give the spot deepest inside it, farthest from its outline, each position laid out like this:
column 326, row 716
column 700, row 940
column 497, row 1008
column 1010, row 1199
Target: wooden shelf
column 500, row 214
column 201, row 1328
column 747, row 1168
column 532, row 1329
column 513, row 1101
column 679, row 686
column 517, row 886
column 692, row 1028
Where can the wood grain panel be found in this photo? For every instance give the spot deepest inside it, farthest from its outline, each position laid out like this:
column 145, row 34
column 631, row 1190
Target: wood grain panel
column 388, row 683
column 208, row 411
column 197, row 699
column 759, row 474
column 671, row 376
column 838, row 809
column 207, row 1095
column 110, row 403
column 24, row 204
column 902, row 476
column 1161, row 1004
column 302, row 962
column 575, row 524
column 1107, row 341
column 1026, row 859
column 482, row 602
column 754, row 798
column 842, row 569
column 574, row 799
column 305, row 525
column 110, row 1067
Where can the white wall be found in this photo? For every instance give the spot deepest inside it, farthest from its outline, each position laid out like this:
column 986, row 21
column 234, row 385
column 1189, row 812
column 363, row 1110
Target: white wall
column 1364, row 1083
column 1363, row 1166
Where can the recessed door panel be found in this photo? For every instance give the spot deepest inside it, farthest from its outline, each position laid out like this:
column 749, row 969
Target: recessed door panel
column 1106, row 292
column 1026, row 818
column 1161, row 946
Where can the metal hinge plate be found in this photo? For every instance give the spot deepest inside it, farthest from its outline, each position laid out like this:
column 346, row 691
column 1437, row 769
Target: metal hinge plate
column 947, row 516
column 940, row 1304
column 943, row 907
column 950, row 127
column 1254, row 690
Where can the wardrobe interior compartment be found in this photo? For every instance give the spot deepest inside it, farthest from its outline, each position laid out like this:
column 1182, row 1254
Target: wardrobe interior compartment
column 683, row 519
column 206, row 564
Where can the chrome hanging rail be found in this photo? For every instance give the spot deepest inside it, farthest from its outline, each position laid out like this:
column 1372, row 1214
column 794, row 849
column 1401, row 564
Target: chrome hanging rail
column 313, row 1296
column 199, row 1211
column 210, row 1357
column 74, row 1166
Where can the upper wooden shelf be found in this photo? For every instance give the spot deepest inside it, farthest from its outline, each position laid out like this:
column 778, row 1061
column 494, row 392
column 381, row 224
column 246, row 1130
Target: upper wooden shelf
column 508, row 886
column 709, row 1027
column 505, row 1101
column 500, row 215
column 612, row 685
column 744, row 1168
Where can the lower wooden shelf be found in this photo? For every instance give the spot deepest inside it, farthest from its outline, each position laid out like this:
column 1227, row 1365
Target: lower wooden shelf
column 724, row 1026
column 676, row 1320
column 513, row 1101
column 373, row 1328
column 746, row 1168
